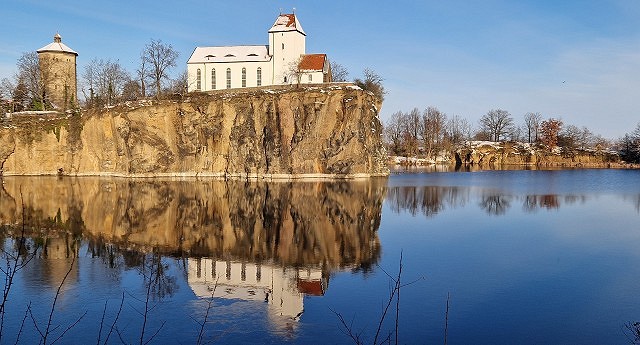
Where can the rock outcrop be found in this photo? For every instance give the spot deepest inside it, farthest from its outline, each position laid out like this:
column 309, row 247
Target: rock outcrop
column 513, row 153
column 331, row 131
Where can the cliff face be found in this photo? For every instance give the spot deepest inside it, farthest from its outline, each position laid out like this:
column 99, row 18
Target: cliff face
column 508, row 153
column 330, row 131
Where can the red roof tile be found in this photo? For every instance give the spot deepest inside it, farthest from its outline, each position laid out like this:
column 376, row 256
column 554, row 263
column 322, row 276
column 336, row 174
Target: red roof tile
column 312, row 62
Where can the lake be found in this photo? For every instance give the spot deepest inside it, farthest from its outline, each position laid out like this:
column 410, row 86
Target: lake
column 486, row 257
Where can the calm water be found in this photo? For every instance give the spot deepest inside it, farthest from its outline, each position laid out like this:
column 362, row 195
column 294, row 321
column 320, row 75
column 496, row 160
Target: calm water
column 526, row 257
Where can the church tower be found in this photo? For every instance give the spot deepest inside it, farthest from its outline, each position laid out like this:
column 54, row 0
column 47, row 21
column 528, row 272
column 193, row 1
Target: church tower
column 59, row 74
column 286, row 45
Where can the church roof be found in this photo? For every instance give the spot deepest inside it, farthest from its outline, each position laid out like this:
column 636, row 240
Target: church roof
column 312, row 62
column 230, row 54
column 57, row 46
column 287, row 22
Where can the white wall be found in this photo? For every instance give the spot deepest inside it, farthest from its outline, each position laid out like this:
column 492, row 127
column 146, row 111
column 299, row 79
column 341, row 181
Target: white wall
column 221, row 74
column 294, row 46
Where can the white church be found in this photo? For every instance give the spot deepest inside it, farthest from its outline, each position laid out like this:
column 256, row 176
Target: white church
column 281, row 62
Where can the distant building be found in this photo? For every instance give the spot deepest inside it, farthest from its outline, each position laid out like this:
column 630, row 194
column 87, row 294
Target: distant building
column 59, row 73
column 282, row 62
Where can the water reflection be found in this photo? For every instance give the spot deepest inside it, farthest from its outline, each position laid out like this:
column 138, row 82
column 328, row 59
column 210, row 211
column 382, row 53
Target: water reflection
column 432, row 200
column 250, row 241
column 325, row 224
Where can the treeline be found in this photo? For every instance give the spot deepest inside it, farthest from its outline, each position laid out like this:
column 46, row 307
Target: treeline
column 101, row 82
column 429, row 132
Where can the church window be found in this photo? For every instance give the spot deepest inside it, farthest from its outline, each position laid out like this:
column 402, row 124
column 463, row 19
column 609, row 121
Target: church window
column 259, row 77
column 310, row 78
column 282, row 46
column 198, row 80
column 228, row 78
column 213, row 79
column 244, row 77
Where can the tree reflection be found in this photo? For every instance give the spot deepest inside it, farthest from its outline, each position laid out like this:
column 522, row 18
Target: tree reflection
column 496, row 205
column 426, row 200
column 432, row 200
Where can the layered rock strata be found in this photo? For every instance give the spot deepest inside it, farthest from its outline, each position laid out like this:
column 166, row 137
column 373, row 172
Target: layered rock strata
column 333, row 131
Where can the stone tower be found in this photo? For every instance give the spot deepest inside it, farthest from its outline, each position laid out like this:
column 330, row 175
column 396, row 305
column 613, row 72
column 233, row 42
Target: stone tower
column 59, row 74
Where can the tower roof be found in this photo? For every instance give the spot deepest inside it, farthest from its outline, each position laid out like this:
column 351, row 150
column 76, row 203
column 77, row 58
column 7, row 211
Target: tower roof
column 57, row 46
column 287, row 22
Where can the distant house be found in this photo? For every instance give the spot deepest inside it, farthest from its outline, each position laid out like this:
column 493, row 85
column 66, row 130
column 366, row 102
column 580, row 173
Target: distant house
column 282, row 62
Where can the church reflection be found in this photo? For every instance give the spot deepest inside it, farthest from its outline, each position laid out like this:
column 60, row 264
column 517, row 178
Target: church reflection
column 282, row 288
column 251, row 241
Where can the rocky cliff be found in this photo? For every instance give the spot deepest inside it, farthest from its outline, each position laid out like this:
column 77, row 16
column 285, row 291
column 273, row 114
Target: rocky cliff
column 333, row 131
column 514, row 153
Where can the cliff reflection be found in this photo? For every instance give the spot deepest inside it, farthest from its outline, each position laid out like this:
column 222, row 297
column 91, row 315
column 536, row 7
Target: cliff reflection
column 323, row 224
column 253, row 241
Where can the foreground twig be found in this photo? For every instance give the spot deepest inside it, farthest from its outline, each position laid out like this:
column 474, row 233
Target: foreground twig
column 446, row 319
column 48, row 330
column 206, row 315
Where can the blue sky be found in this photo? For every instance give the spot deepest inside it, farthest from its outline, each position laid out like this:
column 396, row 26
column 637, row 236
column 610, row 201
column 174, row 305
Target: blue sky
column 574, row 60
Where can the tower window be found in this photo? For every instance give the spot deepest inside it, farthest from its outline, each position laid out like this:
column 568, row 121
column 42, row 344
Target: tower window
column 213, row 79
column 310, row 78
column 244, row 77
column 259, row 77
column 282, row 46
column 228, row 78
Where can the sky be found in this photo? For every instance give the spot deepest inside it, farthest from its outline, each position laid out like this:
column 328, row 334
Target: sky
column 575, row 60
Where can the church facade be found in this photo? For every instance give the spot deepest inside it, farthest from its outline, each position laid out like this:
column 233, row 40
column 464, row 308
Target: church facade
column 58, row 72
column 283, row 61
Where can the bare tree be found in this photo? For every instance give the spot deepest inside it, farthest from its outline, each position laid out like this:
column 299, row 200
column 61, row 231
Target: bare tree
column 496, row 123
column 433, row 123
column 338, row 72
column 293, row 72
column 131, row 90
column 160, row 58
column 457, row 130
column 549, row 130
column 179, row 84
column 142, row 73
column 106, row 81
column 372, row 82
column 532, row 125
column 413, row 131
column 32, row 73
column 393, row 132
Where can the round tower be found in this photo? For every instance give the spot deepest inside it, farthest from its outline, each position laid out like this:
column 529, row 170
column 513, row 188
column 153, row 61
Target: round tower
column 59, row 74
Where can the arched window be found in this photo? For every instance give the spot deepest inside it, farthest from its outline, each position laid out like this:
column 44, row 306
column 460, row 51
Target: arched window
column 213, row 79
column 310, row 78
column 244, row 77
column 228, row 78
column 259, row 77
column 198, row 80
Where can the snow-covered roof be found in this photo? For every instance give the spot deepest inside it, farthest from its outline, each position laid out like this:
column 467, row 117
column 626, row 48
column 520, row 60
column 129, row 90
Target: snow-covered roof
column 57, row 46
column 287, row 22
column 230, row 54
column 312, row 62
